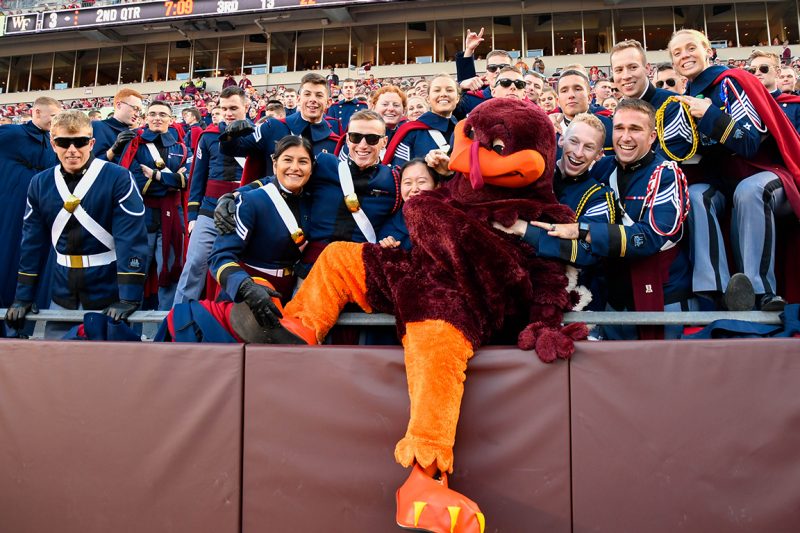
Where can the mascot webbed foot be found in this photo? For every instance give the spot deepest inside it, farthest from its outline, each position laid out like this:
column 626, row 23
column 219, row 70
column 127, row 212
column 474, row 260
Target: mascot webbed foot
column 549, row 342
column 427, row 504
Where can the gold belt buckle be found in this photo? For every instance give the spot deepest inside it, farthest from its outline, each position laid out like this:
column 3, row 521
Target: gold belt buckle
column 287, row 271
column 351, row 201
column 160, row 164
column 71, row 203
column 75, row 261
column 298, row 236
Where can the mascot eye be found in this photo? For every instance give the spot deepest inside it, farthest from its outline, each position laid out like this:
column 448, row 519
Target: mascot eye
column 498, row 145
column 470, row 134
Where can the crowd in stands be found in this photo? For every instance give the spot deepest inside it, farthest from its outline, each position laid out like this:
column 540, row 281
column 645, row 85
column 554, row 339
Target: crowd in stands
column 671, row 169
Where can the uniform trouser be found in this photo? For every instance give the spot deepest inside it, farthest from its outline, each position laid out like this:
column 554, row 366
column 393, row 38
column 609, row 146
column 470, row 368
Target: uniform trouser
column 166, row 295
column 756, row 201
column 631, row 332
column 195, row 268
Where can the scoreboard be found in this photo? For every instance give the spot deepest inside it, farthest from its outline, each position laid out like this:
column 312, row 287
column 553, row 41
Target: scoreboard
column 93, row 17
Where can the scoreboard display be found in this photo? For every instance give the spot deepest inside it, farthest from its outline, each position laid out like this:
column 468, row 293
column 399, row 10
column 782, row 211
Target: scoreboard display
column 93, row 17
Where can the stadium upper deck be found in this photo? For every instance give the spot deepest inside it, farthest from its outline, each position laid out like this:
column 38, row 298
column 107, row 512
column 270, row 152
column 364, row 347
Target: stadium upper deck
column 158, row 44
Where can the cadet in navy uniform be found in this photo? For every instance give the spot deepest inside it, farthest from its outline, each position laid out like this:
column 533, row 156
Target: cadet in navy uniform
column 629, row 66
column 766, row 66
column 269, row 236
column 344, row 109
column 26, row 151
column 108, row 143
column 647, row 270
column 156, row 158
column 213, row 174
column 748, row 149
column 576, row 187
column 476, row 90
column 432, row 130
column 351, row 200
column 310, row 122
column 573, row 93
column 91, row 212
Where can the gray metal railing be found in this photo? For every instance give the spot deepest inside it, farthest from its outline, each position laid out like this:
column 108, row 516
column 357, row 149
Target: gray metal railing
column 699, row 318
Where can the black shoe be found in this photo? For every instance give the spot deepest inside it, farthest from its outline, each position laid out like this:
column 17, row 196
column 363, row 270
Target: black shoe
column 772, row 303
column 739, row 295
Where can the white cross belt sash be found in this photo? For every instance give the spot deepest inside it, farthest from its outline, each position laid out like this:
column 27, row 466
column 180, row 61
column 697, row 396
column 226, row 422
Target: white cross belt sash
column 295, row 231
column 160, row 164
column 352, row 203
column 612, row 180
column 240, row 160
column 439, row 139
column 72, row 207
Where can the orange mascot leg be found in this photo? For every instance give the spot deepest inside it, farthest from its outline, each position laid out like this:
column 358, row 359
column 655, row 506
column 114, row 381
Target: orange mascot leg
column 338, row 278
column 436, row 357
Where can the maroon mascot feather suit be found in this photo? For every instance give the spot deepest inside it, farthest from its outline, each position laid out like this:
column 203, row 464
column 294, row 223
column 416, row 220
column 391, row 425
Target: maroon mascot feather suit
column 462, row 283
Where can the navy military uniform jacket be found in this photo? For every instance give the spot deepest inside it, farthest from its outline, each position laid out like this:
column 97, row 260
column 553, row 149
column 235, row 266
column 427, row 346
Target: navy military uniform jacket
column 105, row 134
column 210, row 165
column 396, row 227
column 172, row 153
column 790, row 104
column 413, row 143
column 645, row 229
column 87, row 272
column 323, row 136
column 591, row 201
column 377, row 190
column 677, row 129
column 261, row 239
column 24, row 151
column 731, row 125
column 465, row 69
column 342, row 111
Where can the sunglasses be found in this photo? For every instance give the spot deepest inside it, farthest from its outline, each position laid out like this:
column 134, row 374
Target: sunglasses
column 669, row 82
column 763, row 69
column 495, row 68
column 66, row 142
column 371, row 138
column 506, row 83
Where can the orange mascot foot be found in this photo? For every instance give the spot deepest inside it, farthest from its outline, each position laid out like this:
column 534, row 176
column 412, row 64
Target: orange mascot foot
column 426, row 504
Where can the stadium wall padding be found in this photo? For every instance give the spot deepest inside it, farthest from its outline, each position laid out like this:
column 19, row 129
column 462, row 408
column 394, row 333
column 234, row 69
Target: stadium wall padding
column 691, row 436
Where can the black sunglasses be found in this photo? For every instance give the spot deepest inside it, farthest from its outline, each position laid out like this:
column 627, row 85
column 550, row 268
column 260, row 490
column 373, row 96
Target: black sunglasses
column 66, row 142
column 763, row 69
column 669, row 82
column 506, row 83
column 371, row 138
column 495, row 68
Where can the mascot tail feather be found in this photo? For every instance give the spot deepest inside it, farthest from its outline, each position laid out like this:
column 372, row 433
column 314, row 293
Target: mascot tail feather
column 338, row 278
column 436, row 355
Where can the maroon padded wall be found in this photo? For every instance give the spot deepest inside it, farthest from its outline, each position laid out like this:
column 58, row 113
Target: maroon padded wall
column 689, row 436
column 119, row 437
column 321, row 424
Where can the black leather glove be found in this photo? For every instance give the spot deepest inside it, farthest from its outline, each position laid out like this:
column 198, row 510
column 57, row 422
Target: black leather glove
column 123, row 139
column 224, row 214
column 236, row 129
column 15, row 315
column 121, row 310
column 259, row 299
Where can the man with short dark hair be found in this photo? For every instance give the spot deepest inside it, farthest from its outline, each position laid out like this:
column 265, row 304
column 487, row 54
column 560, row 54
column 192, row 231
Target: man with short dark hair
column 290, row 101
column 91, row 213
column 476, row 90
column 240, row 139
column 787, row 79
column 509, row 84
column 572, row 92
column 348, row 105
column 156, row 161
column 666, row 78
column 534, row 84
column 212, row 175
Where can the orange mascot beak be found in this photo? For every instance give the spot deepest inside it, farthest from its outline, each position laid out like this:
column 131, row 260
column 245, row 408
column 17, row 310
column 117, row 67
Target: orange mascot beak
column 483, row 166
